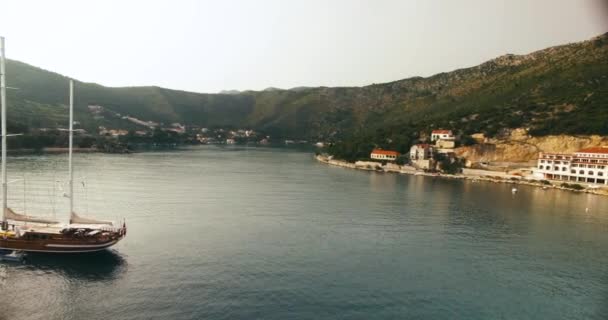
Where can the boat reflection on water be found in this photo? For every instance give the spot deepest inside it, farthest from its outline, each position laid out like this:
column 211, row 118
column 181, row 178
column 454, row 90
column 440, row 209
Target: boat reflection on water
column 101, row 265
column 58, row 282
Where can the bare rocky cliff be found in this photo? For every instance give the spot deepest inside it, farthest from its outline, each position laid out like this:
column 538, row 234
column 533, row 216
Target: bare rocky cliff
column 518, row 146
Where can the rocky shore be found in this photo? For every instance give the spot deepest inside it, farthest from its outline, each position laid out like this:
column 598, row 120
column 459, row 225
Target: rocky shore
column 491, row 176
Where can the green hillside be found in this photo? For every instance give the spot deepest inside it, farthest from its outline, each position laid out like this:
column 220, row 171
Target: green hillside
column 562, row 89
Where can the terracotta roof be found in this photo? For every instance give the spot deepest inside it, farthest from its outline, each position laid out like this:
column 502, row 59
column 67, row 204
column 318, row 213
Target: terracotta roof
column 442, row 131
column 385, row 152
column 594, row 150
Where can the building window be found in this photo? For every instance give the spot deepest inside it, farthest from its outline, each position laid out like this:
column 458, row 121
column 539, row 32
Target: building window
column 564, row 169
column 540, row 167
column 600, row 173
column 590, row 173
column 573, row 171
column 581, row 172
column 542, row 161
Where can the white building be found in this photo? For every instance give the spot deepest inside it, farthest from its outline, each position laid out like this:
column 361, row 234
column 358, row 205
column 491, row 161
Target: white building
column 421, row 156
column 588, row 165
column 442, row 134
column 421, row 151
column 379, row 154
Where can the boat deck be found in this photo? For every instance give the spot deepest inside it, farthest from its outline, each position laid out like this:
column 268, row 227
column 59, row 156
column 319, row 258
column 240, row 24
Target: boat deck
column 50, row 229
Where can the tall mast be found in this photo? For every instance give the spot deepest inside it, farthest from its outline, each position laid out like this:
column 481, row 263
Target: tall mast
column 70, row 168
column 3, row 111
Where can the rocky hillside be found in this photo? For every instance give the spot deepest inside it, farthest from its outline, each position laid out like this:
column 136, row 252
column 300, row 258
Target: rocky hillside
column 560, row 90
column 519, row 146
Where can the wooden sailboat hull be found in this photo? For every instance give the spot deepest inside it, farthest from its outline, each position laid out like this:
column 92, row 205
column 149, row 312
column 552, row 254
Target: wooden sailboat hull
column 56, row 245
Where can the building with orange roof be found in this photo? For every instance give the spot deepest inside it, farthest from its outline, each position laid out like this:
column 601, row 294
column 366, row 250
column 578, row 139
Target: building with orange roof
column 388, row 155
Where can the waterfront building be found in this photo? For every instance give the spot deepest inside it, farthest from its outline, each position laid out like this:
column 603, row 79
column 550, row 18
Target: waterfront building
column 442, row 134
column 379, row 154
column 421, row 156
column 589, row 165
column 421, row 151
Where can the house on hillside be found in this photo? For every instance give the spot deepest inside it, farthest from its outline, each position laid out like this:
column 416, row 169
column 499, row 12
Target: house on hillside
column 113, row 132
column 387, row 155
column 589, row 165
column 421, row 151
column 444, row 140
column 442, row 135
column 421, row 156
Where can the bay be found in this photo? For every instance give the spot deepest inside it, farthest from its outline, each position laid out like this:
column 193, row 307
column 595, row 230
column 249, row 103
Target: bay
column 265, row 233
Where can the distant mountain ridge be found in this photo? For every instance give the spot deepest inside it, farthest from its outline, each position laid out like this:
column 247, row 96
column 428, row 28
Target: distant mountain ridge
column 562, row 89
column 230, row 92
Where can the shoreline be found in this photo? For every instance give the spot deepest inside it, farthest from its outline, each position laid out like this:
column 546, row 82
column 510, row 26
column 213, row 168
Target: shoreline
column 393, row 168
column 51, row 150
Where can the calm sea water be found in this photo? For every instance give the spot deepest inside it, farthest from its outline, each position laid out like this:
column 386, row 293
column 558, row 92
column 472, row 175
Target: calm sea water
column 250, row 233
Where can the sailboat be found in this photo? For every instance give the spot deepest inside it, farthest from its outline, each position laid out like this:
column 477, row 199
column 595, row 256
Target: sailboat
column 22, row 232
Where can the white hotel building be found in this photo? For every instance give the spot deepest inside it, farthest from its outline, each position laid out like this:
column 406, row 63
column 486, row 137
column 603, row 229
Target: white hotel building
column 588, row 165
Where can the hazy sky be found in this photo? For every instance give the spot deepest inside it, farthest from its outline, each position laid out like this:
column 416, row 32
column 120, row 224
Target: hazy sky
column 207, row 46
